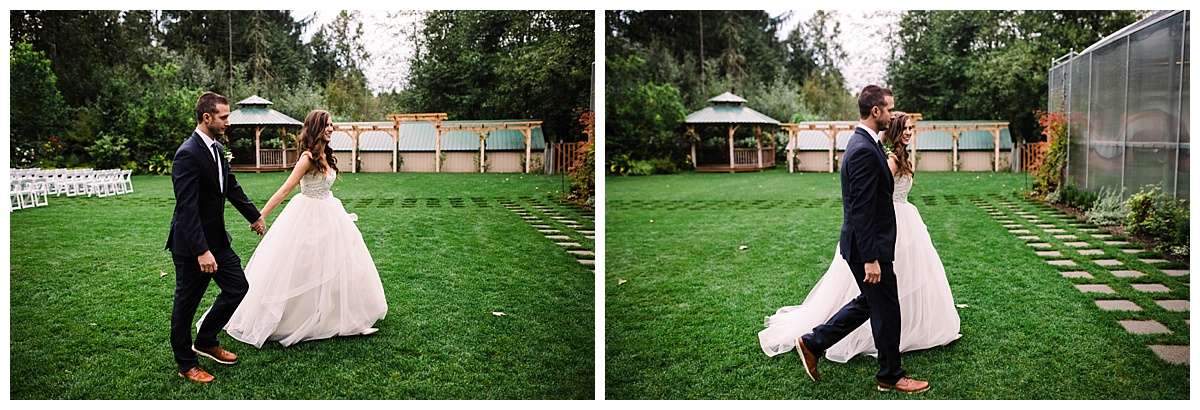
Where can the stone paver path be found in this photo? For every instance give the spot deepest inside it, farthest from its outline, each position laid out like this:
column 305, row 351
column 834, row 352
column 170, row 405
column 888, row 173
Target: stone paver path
column 1122, row 265
column 563, row 230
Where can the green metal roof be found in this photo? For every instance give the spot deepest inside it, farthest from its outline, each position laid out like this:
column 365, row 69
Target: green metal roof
column 260, row 116
column 420, row 136
column 728, row 108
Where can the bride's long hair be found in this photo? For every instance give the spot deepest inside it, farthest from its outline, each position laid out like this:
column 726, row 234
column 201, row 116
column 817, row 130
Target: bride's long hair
column 312, row 141
column 894, row 137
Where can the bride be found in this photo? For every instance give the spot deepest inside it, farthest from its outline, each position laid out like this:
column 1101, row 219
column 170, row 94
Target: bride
column 928, row 315
column 312, row 276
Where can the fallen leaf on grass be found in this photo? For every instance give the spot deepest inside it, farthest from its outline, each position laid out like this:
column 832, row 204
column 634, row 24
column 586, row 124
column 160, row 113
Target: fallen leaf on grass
column 621, row 282
column 498, row 314
column 960, row 306
column 742, row 248
column 161, row 274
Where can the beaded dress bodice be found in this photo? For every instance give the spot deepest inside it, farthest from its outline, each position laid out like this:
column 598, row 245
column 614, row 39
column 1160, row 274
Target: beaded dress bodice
column 317, row 186
column 904, row 184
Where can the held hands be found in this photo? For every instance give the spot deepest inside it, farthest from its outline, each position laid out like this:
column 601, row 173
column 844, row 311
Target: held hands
column 259, row 226
column 873, row 272
column 208, row 264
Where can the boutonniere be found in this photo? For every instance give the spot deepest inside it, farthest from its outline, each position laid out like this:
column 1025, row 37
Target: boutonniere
column 887, row 148
column 228, row 157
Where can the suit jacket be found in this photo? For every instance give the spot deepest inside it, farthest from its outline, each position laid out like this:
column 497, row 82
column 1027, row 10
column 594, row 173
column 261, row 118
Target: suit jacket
column 869, row 218
column 198, row 223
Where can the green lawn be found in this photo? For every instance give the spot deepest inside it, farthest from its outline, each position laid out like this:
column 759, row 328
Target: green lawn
column 684, row 323
column 91, row 294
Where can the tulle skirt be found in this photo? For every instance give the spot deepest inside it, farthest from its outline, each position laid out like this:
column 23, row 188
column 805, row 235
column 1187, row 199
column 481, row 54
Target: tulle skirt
column 928, row 315
column 311, row 278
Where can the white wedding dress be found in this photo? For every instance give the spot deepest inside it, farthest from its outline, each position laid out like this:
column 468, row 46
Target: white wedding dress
column 927, row 311
column 311, row 276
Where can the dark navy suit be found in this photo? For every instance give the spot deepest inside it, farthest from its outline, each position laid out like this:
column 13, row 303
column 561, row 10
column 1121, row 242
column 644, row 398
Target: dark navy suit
column 868, row 234
column 198, row 225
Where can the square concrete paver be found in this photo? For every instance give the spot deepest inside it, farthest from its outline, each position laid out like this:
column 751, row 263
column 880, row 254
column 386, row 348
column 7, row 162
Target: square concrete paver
column 1045, row 225
column 1153, row 260
column 1131, row 250
column 1027, row 237
column 568, row 244
column 1117, row 305
column 557, row 237
column 1108, row 262
column 1175, row 305
column 1049, row 253
column 1076, row 244
column 1101, row 235
column 1151, row 287
column 1019, row 231
column 1175, row 272
column 587, row 261
column 1143, row 326
column 1095, row 288
column 1116, row 243
column 1091, row 252
column 584, row 253
column 1063, row 262
column 1012, row 227
column 1068, row 236
column 1056, row 230
column 1077, row 274
column 1172, row 353
column 548, row 230
column 1127, row 273
column 1038, row 244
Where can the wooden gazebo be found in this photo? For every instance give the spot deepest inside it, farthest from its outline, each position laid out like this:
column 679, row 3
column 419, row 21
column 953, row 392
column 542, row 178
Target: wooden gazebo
column 729, row 112
column 255, row 112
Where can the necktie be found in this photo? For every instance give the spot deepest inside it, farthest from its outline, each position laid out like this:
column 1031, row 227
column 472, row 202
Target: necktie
column 216, row 147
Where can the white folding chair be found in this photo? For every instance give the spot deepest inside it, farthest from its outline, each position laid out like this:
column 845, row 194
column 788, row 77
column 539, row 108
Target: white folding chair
column 127, row 180
column 15, row 195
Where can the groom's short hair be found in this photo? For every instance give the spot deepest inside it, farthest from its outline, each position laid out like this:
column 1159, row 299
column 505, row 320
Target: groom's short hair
column 208, row 104
column 871, row 96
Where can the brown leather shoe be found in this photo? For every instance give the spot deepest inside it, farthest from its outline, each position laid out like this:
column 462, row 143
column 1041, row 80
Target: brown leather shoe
column 222, row 356
column 197, row 374
column 905, row 384
column 809, row 360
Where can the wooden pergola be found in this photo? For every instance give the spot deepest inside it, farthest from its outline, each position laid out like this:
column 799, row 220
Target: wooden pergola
column 832, row 128
column 483, row 129
column 255, row 112
column 729, row 111
column 399, row 119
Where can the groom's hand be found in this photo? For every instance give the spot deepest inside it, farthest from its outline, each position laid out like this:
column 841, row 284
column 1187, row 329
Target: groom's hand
column 208, row 264
column 259, row 226
column 873, row 272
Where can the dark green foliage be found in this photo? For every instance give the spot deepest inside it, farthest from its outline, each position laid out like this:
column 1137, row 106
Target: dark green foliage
column 38, row 114
column 1162, row 217
column 990, row 64
column 508, row 64
column 1077, row 198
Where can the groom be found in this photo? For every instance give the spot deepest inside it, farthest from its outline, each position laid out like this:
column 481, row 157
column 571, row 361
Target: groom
column 199, row 243
column 868, row 243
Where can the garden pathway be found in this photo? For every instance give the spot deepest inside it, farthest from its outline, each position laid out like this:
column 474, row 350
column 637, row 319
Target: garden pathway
column 569, row 226
column 1136, row 284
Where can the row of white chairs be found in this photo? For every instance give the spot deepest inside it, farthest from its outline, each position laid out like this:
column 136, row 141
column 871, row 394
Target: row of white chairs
column 32, row 187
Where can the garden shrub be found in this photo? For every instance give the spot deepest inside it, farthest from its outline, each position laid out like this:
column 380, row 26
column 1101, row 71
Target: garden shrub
column 663, row 165
column 1049, row 175
column 641, row 167
column 1162, row 217
column 1080, row 199
column 1109, row 209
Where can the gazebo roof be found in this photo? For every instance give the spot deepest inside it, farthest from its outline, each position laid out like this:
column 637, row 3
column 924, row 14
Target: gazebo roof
column 254, row 111
column 728, row 108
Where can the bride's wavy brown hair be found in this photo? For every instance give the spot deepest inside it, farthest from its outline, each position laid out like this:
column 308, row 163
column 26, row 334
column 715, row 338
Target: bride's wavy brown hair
column 313, row 142
column 893, row 136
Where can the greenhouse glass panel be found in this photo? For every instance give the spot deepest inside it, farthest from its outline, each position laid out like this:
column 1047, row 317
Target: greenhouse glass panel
column 1107, row 118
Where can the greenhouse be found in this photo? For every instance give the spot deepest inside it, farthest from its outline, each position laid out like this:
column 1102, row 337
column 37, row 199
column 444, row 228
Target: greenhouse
column 1126, row 100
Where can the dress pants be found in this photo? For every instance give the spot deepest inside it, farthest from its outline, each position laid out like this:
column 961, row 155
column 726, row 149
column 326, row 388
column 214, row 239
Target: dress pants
column 190, row 286
column 878, row 302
